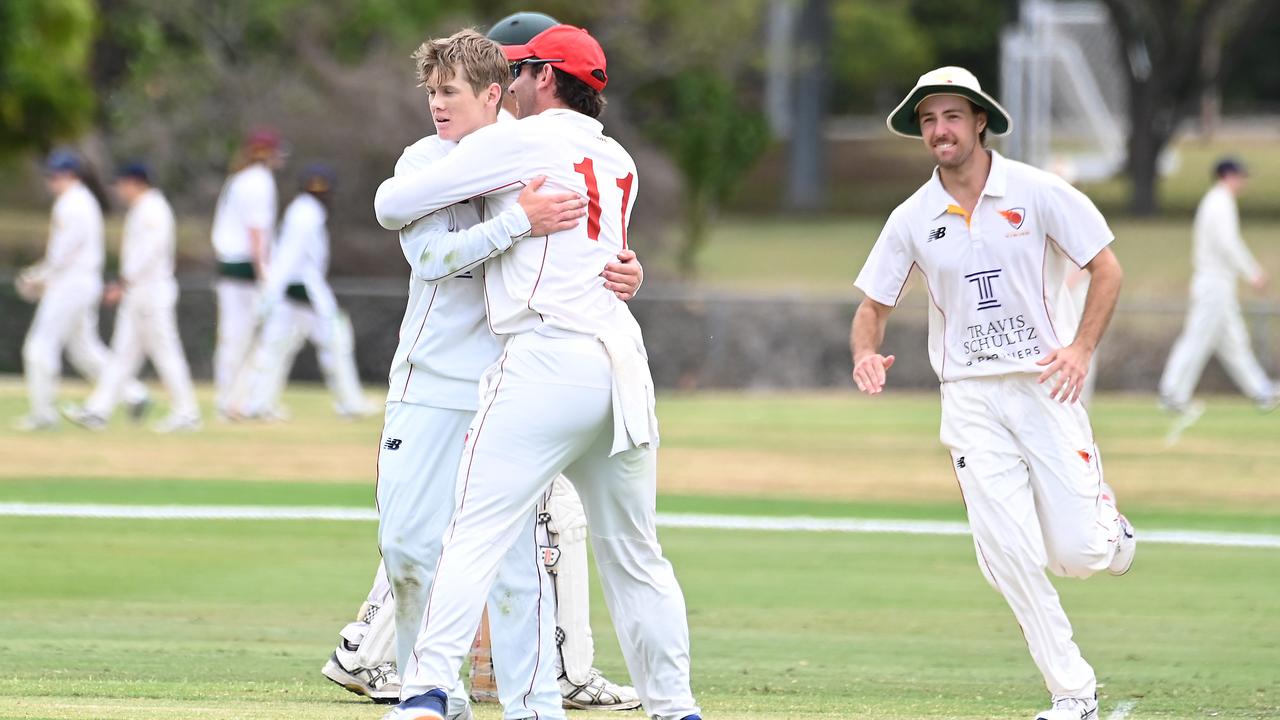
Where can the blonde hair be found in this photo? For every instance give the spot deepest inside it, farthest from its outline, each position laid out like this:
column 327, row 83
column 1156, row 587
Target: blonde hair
column 476, row 55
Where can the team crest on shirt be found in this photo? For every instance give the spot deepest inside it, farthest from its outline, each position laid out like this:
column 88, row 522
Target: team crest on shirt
column 1015, row 216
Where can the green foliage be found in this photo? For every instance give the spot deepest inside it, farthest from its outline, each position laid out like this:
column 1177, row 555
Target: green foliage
column 879, row 50
column 713, row 137
column 45, row 93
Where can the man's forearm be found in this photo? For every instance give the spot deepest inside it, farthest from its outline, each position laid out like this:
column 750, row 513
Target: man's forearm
column 867, row 333
column 435, row 253
column 1106, row 278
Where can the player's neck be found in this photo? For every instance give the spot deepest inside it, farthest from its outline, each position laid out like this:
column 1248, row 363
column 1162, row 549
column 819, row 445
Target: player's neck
column 966, row 181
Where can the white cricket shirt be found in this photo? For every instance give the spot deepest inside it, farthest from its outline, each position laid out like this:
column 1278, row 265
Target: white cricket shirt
column 301, row 255
column 550, row 284
column 147, row 249
column 445, row 343
column 75, row 247
column 1219, row 252
column 248, row 200
column 996, row 280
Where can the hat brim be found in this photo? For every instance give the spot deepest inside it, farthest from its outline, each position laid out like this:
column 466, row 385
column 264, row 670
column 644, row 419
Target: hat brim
column 904, row 121
column 517, row 52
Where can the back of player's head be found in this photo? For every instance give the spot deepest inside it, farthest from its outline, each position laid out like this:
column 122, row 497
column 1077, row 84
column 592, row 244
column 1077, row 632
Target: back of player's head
column 317, row 178
column 578, row 61
column 1229, row 166
column 519, row 28
column 62, row 162
column 136, row 171
column 467, row 51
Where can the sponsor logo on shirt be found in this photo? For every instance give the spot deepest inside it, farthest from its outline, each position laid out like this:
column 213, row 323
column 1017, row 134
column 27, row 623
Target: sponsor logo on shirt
column 937, row 233
column 1015, row 216
column 986, row 292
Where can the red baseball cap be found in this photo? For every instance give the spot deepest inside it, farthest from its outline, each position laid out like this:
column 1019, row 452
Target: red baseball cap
column 573, row 49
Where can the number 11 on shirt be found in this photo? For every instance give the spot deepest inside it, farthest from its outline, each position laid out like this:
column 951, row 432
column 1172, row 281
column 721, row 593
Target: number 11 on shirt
column 587, row 168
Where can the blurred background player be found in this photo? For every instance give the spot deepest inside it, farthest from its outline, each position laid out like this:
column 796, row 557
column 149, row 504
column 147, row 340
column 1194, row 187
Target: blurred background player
column 297, row 304
column 1214, row 323
column 583, row 686
column 67, row 282
column 242, row 225
column 146, row 323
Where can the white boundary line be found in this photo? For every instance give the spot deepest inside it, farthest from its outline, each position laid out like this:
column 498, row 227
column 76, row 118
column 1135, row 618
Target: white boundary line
column 677, row 520
column 1122, row 710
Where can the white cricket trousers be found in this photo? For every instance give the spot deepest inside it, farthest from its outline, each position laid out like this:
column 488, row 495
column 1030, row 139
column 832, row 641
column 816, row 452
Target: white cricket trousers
column 67, row 316
column 289, row 326
column 417, row 468
column 546, row 408
column 146, row 327
column 1214, row 325
column 1033, row 487
column 236, row 301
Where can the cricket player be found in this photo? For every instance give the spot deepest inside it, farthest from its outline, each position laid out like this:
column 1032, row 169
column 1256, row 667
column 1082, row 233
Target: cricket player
column 582, row 685
column 1215, row 325
column 445, row 346
column 297, row 304
column 242, row 225
column 995, row 240
column 67, row 283
column 570, row 344
column 146, row 323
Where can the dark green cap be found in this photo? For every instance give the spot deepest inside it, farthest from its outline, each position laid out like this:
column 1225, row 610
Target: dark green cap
column 520, row 28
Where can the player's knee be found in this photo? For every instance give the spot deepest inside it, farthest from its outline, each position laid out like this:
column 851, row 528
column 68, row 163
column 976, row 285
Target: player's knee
column 1078, row 559
column 405, row 567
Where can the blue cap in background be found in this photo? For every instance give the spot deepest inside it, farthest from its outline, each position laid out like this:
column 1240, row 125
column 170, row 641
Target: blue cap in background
column 62, row 161
column 134, row 170
column 1229, row 166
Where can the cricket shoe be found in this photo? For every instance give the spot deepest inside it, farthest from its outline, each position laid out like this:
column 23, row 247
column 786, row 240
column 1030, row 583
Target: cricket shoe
column 429, row 706
column 380, row 684
column 597, row 693
column 1126, row 549
column 177, row 424
column 85, row 419
column 1071, row 708
column 35, row 423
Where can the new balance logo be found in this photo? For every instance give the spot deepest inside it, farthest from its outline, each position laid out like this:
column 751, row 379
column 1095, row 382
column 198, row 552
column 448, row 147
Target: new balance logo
column 960, row 462
column 392, row 444
column 937, row 233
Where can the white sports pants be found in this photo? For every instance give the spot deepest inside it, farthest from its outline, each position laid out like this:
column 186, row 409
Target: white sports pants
column 417, row 467
column 67, row 316
column 236, row 300
column 1032, row 483
column 1214, row 325
column 146, row 327
column 284, row 332
column 546, row 408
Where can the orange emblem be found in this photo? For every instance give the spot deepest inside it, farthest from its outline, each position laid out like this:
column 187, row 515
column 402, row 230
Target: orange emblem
column 1084, row 455
column 1015, row 216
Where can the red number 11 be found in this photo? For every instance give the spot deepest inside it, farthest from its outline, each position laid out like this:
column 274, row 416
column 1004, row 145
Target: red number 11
column 587, row 168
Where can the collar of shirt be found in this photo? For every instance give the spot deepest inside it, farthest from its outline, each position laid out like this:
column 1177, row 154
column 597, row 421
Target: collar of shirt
column 938, row 202
column 573, row 116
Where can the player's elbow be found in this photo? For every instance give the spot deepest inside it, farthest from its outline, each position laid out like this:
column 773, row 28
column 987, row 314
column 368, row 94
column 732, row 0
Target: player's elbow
column 386, row 208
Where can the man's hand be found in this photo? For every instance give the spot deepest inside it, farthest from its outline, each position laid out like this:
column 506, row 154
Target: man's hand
column 1260, row 282
column 869, row 373
column 625, row 276
column 1071, row 365
column 112, row 293
column 550, row 212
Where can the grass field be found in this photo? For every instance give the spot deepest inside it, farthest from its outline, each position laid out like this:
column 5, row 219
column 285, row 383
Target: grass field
column 230, row 619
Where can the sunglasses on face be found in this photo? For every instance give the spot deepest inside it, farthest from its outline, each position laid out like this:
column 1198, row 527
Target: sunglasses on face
column 515, row 66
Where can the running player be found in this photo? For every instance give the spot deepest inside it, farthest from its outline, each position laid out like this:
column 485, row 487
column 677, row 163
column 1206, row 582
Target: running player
column 995, row 240
column 570, row 345
column 297, row 304
column 147, row 322
column 67, row 283
column 242, row 225
column 1214, row 324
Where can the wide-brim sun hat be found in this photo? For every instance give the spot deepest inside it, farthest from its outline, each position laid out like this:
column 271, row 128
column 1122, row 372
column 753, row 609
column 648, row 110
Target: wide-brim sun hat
column 948, row 80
